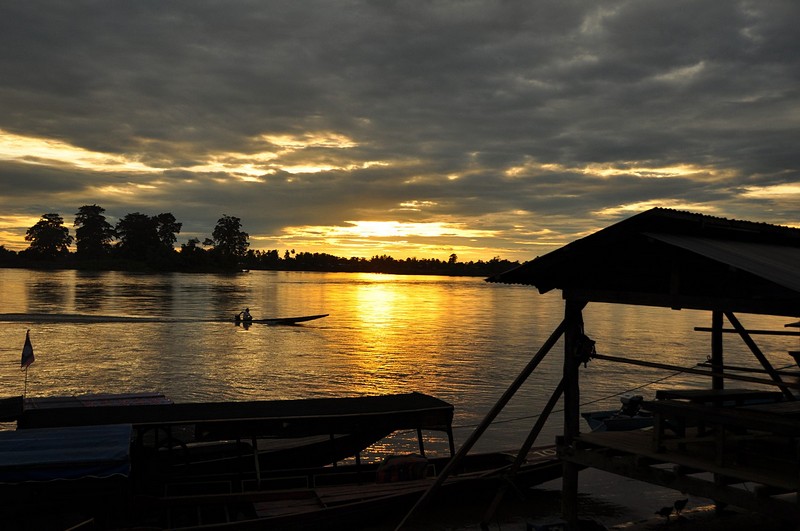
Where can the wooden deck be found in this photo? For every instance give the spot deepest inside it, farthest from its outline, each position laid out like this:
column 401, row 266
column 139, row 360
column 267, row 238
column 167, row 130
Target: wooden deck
column 758, row 471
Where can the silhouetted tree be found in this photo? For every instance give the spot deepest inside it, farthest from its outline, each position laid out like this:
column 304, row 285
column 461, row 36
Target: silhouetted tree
column 192, row 256
column 93, row 234
column 49, row 237
column 143, row 237
column 138, row 235
column 229, row 241
column 191, row 245
column 167, row 227
column 7, row 256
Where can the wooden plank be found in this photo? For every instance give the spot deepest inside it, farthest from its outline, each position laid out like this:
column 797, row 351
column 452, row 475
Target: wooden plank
column 286, row 507
column 639, row 445
column 697, row 486
column 784, row 409
column 717, row 396
column 751, row 332
column 677, row 368
column 734, row 417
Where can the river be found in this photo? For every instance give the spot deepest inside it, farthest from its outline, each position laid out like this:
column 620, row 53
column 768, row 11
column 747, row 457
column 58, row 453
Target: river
column 460, row 339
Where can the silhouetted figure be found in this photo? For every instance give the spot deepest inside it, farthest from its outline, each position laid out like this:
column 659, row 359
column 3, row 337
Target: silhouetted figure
column 679, row 505
column 243, row 317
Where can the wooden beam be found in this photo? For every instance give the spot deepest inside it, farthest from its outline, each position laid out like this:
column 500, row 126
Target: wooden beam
column 783, row 372
column 759, row 355
column 523, row 452
column 678, row 368
column 790, row 333
column 784, row 308
column 496, row 409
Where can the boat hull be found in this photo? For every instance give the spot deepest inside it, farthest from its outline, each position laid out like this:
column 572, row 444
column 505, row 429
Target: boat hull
column 279, row 320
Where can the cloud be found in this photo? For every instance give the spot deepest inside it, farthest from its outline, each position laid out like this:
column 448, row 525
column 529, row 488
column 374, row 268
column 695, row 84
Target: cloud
column 533, row 122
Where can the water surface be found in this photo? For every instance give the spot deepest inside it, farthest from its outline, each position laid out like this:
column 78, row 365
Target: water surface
column 460, row 339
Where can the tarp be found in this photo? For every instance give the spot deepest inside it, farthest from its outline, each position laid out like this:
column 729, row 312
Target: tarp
column 47, row 454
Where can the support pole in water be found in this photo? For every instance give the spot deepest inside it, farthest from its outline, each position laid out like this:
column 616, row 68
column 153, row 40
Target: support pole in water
column 717, row 381
column 572, row 359
column 496, row 409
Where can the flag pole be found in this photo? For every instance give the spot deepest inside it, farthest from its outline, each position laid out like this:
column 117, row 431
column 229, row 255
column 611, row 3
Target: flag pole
column 27, row 359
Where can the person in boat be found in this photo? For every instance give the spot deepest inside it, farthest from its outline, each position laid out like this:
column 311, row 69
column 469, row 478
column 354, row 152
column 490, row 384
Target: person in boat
column 244, row 315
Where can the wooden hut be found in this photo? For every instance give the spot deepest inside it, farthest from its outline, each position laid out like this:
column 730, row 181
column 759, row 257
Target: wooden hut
column 673, row 259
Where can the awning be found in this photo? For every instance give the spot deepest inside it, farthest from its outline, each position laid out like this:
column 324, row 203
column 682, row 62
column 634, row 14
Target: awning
column 79, row 452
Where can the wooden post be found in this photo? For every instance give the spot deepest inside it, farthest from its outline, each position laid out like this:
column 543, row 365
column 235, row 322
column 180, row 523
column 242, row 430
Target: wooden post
column 573, row 319
column 451, row 442
column 717, row 381
column 257, row 462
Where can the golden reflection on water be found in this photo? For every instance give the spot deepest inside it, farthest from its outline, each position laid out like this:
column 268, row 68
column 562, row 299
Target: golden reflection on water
column 376, row 303
column 462, row 340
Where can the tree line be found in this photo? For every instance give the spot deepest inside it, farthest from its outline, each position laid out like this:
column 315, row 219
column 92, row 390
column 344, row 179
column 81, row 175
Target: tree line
column 144, row 242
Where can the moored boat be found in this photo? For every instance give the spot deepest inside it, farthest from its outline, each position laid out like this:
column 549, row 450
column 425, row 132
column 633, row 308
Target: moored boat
column 629, row 416
column 347, row 497
column 208, row 464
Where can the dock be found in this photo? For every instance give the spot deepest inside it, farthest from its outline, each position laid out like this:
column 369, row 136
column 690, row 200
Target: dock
column 715, row 442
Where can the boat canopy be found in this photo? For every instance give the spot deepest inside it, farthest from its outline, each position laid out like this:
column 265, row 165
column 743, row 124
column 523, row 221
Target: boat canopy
column 71, row 453
column 275, row 418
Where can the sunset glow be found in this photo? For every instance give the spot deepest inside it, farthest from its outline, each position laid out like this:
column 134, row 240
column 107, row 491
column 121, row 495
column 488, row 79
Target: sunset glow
column 31, row 150
column 391, row 229
column 634, row 208
column 542, row 125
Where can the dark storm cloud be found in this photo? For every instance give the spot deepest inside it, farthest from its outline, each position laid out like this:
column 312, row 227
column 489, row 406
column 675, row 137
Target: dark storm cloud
column 475, row 110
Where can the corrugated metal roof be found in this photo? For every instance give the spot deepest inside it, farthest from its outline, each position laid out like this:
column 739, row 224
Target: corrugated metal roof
column 776, row 263
column 678, row 260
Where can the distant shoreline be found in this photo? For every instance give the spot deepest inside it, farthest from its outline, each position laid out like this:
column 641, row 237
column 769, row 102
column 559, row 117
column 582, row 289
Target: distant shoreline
column 382, row 266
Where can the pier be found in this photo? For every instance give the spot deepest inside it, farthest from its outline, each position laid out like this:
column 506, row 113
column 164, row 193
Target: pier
column 733, row 444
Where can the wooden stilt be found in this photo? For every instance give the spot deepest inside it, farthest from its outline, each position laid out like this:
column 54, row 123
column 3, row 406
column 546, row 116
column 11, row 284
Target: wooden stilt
column 450, row 441
column 572, row 334
column 718, row 380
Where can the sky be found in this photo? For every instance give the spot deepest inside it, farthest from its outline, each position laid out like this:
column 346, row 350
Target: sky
column 412, row 129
